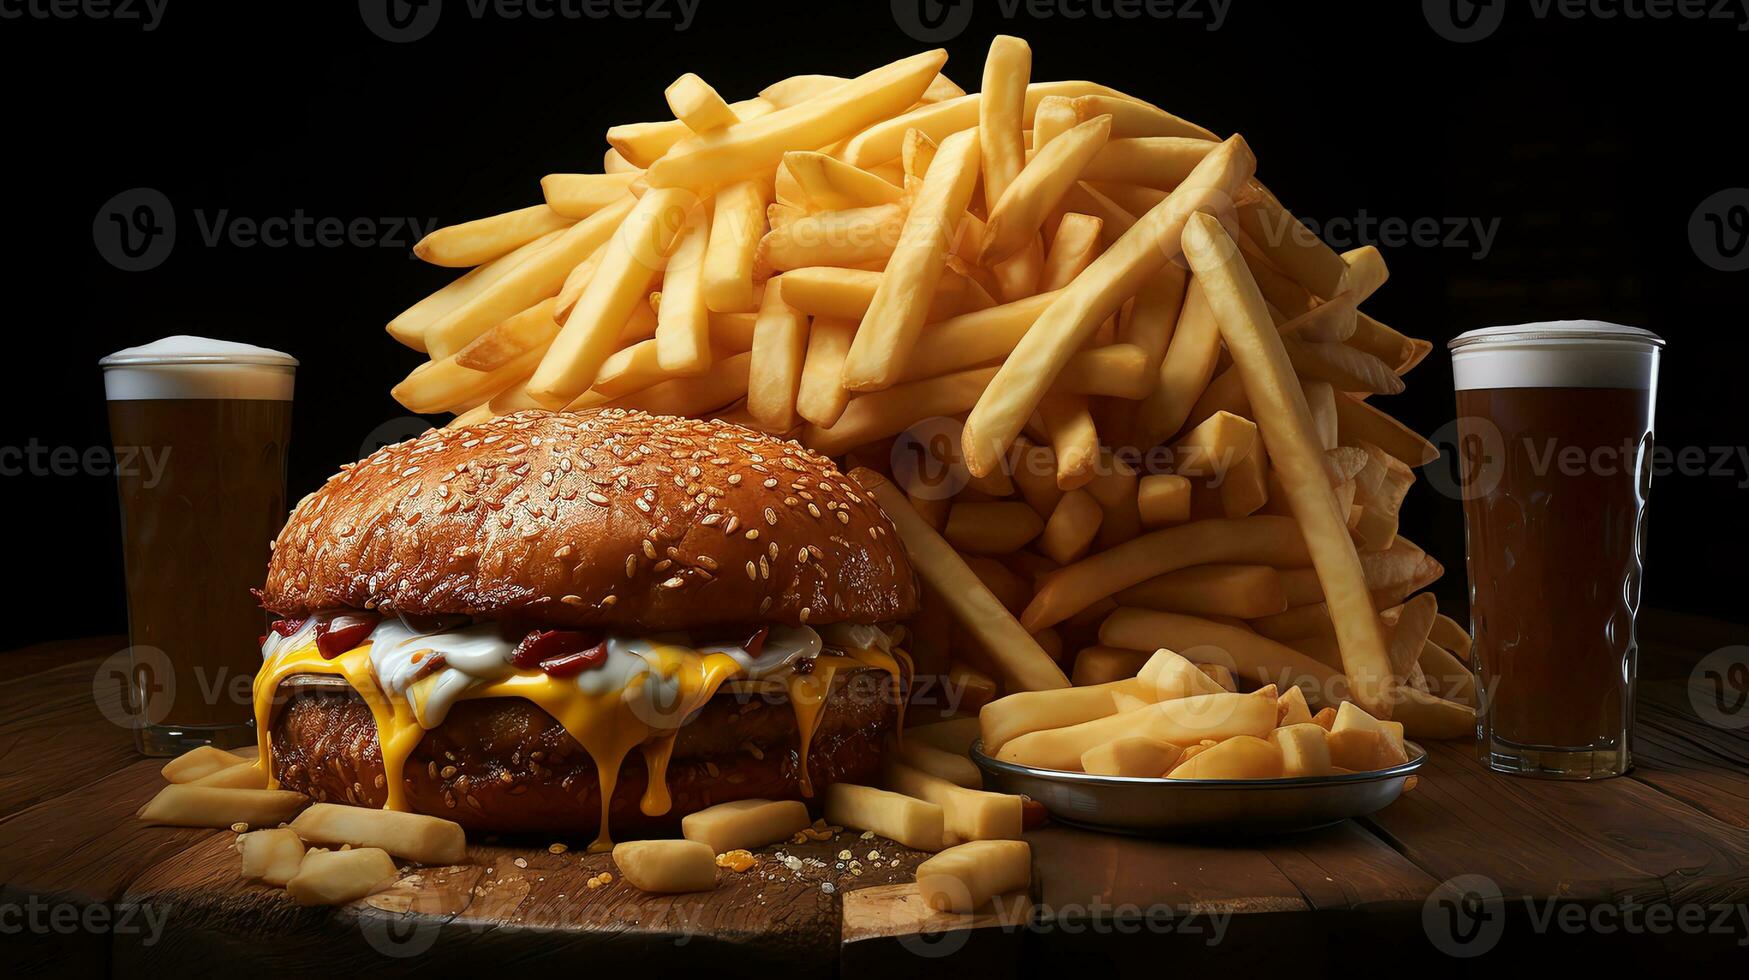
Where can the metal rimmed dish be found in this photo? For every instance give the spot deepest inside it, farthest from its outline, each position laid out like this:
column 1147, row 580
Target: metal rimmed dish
column 1207, row 807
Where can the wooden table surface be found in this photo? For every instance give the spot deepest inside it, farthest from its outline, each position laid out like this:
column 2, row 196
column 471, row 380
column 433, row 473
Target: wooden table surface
column 1651, row 869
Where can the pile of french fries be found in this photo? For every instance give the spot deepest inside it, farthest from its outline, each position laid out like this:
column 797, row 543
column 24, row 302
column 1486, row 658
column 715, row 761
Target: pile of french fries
column 1178, row 720
column 1157, row 386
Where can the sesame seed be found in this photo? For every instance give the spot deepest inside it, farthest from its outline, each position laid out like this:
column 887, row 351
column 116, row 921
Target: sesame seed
column 598, row 499
column 631, row 565
column 674, row 583
column 771, row 516
column 752, row 534
column 649, row 550
column 752, row 572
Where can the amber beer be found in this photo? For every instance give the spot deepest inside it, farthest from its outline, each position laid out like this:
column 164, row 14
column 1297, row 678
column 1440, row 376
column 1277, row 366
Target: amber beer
column 212, row 418
column 1554, row 453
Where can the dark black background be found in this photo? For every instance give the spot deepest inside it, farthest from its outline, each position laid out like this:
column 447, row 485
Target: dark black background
column 1589, row 141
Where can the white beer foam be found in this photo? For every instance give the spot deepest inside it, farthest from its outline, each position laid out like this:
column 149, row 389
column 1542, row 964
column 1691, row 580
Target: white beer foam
column 1556, row 354
column 198, row 367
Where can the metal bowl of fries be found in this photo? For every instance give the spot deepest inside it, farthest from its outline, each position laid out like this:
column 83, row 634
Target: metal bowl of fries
column 1201, row 807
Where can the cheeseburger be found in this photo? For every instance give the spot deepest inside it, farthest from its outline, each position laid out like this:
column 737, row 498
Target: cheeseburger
column 577, row 623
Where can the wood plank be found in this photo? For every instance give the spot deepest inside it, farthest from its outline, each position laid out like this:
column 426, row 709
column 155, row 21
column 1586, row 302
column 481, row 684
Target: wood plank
column 889, row 932
column 516, row 901
column 23, row 662
column 80, row 850
column 1700, row 764
column 57, row 733
column 1602, row 841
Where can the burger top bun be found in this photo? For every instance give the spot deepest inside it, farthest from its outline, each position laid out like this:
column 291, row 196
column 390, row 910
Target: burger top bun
column 612, row 518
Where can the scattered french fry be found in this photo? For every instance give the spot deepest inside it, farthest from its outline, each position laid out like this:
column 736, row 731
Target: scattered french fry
column 667, row 867
column 414, row 836
column 338, row 877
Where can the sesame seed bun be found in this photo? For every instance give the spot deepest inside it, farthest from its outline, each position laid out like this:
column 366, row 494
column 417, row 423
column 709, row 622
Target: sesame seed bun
column 612, row 518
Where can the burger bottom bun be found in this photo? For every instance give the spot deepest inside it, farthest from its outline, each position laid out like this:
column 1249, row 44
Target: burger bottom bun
column 505, row 765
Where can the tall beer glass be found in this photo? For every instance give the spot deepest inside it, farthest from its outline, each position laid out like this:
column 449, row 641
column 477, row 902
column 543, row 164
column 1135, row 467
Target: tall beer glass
column 1555, row 442
column 200, row 429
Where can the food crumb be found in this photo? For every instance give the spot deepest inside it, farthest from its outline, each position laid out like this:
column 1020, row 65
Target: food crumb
column 240, row 826
column 520, row 862
column 737, row 860
column 556, row 848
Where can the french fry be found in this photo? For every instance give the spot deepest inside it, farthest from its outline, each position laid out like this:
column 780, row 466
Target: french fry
column 738, row 151
column 1002, row 115
column 635, row 255
column 967, row 814
column 738, row 223
column 1359, row 422
column 1078, row 310
column 1024, row 666
column 849, row 239
column 1073, row 249
column 410, row 326
column 683, row 329
column 581, row 195
column 1380, row 487
column 197, row 763
column 1084, row 198
column 271, row 856
column 1184, row 372
column 1275, row 541
column 1238, row 757
column 1131, row 119
column 1114, row 371
column 1182, row 721
column 1160, row 162
column 1102, row 665
column 667, row 867
column 1163, row 500
column 941, row 763
column 883, row 140
column 969, row 876
column 1241, row 591
column 1074, row 439
column 414, row 836
column 881, row 414
column 722, row 384
column 538, row 276
column 1073, row 524
column 1450, row 677
column 1345, row 368
column 1018, row 213
column 1427, row 716
column 780, row 344
column 1294, row 452
column 1130, row 197
column 991, row 528
column 745, row 823
column 1411, row 632
column 901, row 302
column 1321, row 401
column 973, row 339
column 337, row 877
column 185, row 805
column 821, row 399
column 1291, row 246
column 829, row 184
column 1256, row 658
column 1054, row 116
column 1033, row 468
column 845, row 294
column 480, row 241
column 1152, row 320
column 641, row 144
column 695, row 103
column 575, row 282
column 912, row 822
column 1451, row 635
column 1135, row 755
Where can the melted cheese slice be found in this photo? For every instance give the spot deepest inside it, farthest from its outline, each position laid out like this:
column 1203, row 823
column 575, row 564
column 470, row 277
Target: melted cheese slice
column 641, row 709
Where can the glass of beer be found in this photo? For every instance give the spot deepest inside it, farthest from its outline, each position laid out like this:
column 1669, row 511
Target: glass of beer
column 1554, row 453
column 205, row 423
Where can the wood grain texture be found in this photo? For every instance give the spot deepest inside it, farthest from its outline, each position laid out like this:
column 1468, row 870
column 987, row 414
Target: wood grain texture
column 1676, row 830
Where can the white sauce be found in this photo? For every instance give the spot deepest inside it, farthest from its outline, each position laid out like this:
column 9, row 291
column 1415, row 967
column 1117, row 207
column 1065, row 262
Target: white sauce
column 477, row 655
